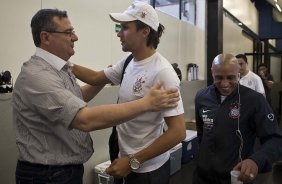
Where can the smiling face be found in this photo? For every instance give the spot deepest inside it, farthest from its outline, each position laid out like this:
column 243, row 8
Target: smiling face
column 61, row 42
column 225, row 70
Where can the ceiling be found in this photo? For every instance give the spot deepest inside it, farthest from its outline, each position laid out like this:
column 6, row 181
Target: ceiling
column 273, row 2
column 277, row 15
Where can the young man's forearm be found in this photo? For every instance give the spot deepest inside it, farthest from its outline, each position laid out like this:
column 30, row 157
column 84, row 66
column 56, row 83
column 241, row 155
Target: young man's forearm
column 175, row 133
column 90, row 76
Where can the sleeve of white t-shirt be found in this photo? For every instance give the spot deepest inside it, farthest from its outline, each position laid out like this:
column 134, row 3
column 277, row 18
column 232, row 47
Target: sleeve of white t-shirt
column 171, row 80
column 260, row 86
column 114, row 73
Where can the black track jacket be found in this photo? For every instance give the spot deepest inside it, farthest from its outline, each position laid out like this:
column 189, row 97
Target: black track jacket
column 217, row 124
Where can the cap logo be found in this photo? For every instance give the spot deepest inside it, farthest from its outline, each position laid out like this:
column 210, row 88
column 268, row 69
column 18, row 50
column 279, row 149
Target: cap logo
column 143, row 15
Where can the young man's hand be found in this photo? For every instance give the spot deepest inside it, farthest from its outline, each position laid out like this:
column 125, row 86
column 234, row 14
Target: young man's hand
column 262, row 74
column 119, row 168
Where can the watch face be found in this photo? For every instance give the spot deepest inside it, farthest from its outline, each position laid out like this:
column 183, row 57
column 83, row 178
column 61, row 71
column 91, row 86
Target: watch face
column 134, row 164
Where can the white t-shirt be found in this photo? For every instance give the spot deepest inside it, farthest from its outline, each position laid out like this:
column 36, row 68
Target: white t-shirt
column 140, row 132
column 253, row 81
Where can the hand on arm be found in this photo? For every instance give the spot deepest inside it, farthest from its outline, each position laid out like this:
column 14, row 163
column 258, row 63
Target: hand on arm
column 171, row 137
column 104, row 116
column 159, row 99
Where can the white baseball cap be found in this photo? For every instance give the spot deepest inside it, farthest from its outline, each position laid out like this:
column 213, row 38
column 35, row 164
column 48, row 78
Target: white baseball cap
column 138, row 11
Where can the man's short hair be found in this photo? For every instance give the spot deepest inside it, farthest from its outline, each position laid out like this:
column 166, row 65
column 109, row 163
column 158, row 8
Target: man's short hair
column 242, row 56
column 262, row 65
column 43, row 21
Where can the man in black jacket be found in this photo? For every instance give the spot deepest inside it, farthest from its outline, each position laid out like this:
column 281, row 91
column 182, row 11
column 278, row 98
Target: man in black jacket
column 267, row 80
column 229, row 117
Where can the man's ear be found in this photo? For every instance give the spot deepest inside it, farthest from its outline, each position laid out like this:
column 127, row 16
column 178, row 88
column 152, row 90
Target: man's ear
column 44, row 38
column 146, row 31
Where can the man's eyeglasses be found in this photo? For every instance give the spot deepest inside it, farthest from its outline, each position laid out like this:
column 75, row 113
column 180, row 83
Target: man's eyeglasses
column 68, row 33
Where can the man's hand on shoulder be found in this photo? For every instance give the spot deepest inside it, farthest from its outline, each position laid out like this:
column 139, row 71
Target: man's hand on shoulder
column 159, row 98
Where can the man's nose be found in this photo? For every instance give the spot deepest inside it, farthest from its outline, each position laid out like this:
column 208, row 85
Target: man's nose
column 224, row 82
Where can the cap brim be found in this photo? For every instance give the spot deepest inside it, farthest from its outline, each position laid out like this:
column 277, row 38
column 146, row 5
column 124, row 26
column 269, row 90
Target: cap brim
column 120, row 17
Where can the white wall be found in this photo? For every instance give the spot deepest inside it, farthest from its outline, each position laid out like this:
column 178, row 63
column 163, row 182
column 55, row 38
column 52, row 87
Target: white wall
column 245, row 11
column 275, row 68
column 16, row 40
column 234, row 41
column 185, row 43
column 8, row 150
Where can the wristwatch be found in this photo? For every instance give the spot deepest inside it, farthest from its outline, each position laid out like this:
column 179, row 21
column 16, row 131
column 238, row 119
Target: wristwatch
column 133, row 162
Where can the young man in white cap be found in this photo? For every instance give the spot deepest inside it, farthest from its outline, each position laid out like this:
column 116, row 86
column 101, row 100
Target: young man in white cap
column 144, row 147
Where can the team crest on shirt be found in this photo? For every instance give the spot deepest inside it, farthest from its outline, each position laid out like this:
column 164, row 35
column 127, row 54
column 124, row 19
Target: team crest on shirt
column 234, row 110
column 250, row 83
column 138, row 85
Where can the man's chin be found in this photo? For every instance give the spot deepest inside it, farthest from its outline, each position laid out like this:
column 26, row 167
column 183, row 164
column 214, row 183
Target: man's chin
column 124, row 49
column 225, row 93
